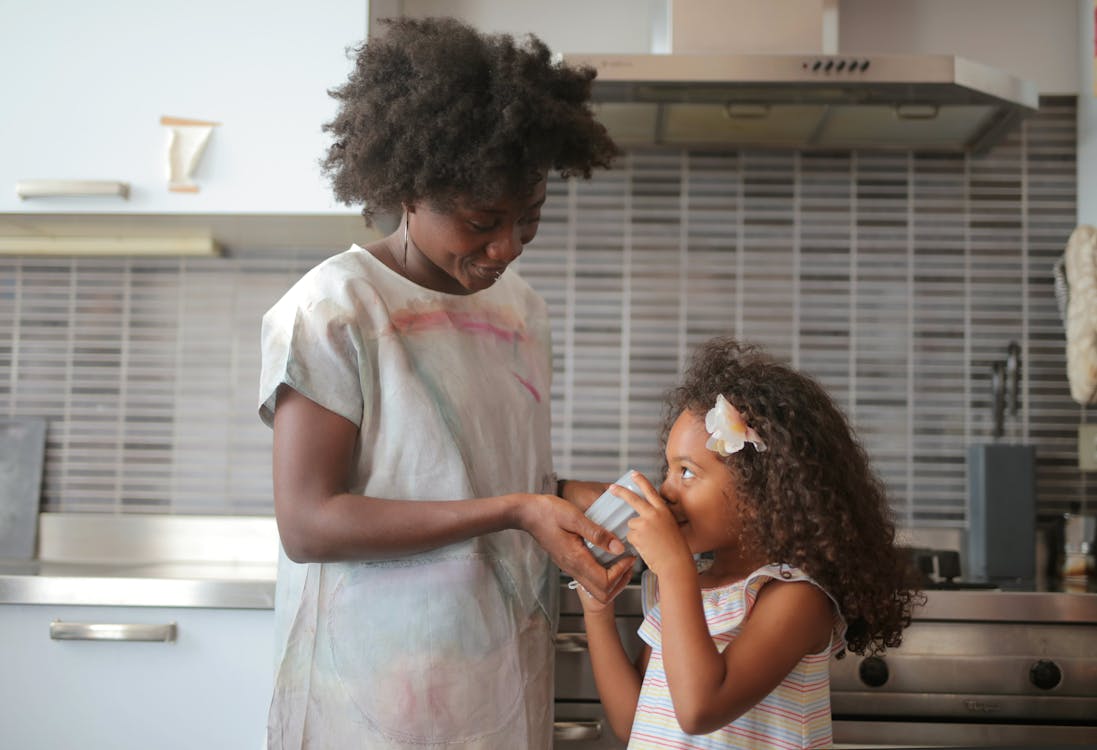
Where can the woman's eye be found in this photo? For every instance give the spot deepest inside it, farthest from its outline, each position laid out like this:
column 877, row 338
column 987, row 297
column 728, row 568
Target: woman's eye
column 481, row 226
column 532, row 219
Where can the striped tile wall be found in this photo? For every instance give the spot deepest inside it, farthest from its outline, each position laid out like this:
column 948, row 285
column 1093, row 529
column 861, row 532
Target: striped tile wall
column 895, row 278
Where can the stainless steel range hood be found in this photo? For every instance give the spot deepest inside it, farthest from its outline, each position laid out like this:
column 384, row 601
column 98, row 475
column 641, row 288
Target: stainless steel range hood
column 696, row 91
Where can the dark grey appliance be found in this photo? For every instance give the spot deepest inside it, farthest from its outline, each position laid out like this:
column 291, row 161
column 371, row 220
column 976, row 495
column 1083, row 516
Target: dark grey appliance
column 580, row 723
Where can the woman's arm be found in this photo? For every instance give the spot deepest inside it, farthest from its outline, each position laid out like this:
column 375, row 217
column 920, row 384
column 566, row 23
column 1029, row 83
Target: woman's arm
column 710, row 689
column 580, row 494
column 618, row 680
column 319, row 520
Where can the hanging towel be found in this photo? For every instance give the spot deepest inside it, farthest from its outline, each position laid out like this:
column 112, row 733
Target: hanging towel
column 1080, row 261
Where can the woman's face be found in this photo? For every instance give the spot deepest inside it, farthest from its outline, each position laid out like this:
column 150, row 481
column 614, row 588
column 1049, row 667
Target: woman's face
column 466, row 249
column 699, row 488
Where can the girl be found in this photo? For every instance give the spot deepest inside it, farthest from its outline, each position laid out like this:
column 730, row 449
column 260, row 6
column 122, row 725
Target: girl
column 762, row 472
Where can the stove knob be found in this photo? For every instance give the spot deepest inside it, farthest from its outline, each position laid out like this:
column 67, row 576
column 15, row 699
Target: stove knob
column 1045, row 674
column 873, row 671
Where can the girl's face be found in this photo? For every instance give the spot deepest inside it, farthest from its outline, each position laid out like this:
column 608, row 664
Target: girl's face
column 699, row 488
column 466, row 249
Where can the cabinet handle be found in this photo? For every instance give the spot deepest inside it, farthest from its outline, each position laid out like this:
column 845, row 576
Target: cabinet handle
column 65, row 188
column 571, row 643
column 576, row 731
column 104, row 631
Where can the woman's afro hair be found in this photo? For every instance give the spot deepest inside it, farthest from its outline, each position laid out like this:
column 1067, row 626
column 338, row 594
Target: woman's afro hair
column 435, row 110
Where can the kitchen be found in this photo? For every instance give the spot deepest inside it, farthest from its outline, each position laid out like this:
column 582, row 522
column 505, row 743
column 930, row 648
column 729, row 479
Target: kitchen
column 898, row 277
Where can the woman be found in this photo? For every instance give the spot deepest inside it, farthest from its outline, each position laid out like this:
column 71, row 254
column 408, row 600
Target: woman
column 408, row 386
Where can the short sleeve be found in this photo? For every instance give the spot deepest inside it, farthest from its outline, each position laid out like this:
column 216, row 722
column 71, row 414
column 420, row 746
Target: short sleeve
column 649, row 599
column 783, row 573
column 315, row 348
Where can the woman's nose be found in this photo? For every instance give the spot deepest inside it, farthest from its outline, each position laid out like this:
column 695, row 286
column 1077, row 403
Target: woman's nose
column 507, row 245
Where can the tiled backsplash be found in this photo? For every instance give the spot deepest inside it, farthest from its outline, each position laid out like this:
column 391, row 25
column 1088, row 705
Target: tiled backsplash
column 896, row 278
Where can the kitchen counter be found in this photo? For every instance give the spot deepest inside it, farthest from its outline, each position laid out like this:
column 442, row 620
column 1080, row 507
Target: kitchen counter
column 191, row 584
column 147, row 561
column 136, row 561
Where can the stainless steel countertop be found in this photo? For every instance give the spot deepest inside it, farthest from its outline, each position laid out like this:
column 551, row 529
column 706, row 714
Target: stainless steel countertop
column 204, row 561
column 945, row 605
column 185, row 584
column 147, row 561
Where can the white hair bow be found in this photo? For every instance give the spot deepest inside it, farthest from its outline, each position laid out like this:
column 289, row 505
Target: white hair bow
column 729, row 433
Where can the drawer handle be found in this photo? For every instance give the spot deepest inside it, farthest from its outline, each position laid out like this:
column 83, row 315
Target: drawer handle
column 576, row 731
column 571, row 643
column 103, row 631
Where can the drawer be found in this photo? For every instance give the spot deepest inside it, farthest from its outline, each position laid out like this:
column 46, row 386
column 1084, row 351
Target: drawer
column 582, row 726
column 574, row 677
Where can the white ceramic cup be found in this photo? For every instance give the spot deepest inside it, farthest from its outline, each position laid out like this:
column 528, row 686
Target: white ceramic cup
column 613, row 514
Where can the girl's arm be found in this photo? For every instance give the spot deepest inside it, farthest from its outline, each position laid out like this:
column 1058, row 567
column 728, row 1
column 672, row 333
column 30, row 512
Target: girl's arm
column 710, row 689
column 319, row 520
column 618, row 680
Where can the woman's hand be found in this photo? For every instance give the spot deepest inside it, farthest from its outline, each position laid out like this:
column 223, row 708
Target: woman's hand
column 560, row 528
column 581, row 494
column 654, row 532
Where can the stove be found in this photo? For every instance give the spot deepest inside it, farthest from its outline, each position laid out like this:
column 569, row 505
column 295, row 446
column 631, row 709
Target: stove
column 977, row 668
column 982, row 664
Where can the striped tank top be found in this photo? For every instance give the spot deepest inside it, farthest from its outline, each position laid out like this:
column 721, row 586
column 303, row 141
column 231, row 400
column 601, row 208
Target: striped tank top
column 795, row 715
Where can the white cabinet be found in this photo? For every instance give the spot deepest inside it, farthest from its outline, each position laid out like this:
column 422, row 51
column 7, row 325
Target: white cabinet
column 85, row 85
column 209, row 688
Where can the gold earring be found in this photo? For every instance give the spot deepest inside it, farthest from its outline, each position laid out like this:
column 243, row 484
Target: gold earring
column 407, row 219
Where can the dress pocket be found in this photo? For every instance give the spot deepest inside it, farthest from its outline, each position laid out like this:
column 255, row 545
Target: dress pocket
column 427, row 652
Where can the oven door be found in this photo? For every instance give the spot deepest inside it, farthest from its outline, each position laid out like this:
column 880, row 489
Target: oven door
column 582, row 725
column 580, row 722
column 879, row 733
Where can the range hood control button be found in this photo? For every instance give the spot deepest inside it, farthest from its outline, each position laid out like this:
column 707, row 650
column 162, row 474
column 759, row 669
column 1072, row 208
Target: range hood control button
column 1045, row 674
column 874, row 671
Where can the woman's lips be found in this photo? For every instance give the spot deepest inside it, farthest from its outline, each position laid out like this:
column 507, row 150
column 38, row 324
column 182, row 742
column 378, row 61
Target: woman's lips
column 489, row 272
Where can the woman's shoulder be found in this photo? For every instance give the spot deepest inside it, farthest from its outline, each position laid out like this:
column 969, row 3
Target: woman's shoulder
column 329, row 280
column 336, row 270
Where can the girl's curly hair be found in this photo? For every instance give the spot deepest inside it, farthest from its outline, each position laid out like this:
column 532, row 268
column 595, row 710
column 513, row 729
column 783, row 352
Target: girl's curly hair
column 435, row 110
column 811, row 500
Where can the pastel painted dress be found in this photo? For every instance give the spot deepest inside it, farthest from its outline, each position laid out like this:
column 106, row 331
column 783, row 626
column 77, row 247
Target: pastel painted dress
column 795, row 715
column 451, row 648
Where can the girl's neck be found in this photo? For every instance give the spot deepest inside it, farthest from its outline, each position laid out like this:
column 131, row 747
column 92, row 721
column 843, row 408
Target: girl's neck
column 728, row 566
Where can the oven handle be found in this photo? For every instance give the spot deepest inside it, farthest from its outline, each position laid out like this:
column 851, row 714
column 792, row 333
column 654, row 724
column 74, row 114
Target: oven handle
column 571, row 643
column 576, row 731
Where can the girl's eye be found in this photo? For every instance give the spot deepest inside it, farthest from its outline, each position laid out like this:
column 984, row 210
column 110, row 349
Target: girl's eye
column 531, row 219
column 687, row 473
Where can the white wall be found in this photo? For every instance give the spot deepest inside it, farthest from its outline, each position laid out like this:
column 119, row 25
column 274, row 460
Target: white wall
column 566, row 26
column 1037, row 41
column 1048, row 42
column 1087, row 115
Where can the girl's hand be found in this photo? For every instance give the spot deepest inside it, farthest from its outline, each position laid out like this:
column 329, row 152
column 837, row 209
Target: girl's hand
column 654, row 533
column 593, row 607
column 560, row 528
